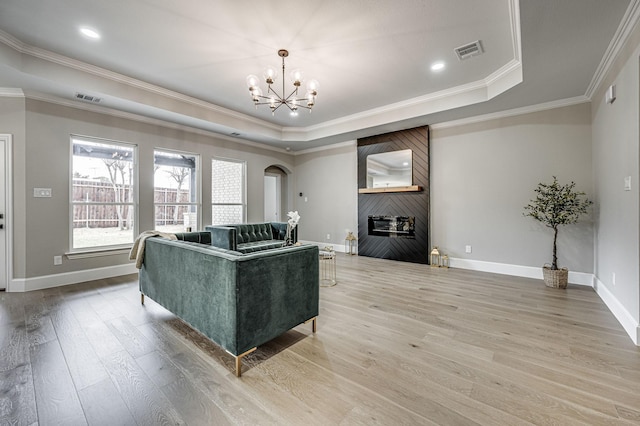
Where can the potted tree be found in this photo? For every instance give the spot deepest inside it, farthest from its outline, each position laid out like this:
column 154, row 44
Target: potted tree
column 556, row 205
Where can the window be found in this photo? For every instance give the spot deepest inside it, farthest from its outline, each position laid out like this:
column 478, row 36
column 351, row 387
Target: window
column 176, row 194
column 227, row 191
column 103, row 194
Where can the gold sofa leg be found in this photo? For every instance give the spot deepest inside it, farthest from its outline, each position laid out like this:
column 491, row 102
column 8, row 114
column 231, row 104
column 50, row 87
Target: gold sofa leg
column 314, row 323
column 239, row 360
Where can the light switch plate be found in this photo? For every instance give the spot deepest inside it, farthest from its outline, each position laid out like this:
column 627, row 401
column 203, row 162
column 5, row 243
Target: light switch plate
column 42, row 192
column 627, row 183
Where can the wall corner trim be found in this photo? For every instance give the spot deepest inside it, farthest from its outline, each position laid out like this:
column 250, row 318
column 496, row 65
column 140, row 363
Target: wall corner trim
column 624, row 317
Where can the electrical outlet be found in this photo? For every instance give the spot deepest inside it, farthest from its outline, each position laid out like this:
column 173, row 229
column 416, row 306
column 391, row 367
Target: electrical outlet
column 467, row 249
column 42, row 192
column 57, row 260
column 328, row 236
column 613, row 278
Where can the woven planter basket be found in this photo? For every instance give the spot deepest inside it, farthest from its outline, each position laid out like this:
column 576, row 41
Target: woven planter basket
column 555, row 278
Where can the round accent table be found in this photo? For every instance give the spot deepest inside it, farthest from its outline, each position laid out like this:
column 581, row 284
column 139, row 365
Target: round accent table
column 327, row 267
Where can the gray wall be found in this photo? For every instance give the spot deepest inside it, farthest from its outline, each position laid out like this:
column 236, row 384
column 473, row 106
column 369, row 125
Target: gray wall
column 42, row 224
column 483, row 174
column 615, row 156
column 329, row 180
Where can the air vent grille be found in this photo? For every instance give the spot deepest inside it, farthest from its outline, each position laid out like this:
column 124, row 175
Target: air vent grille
column 88, row 98
column 469, row 50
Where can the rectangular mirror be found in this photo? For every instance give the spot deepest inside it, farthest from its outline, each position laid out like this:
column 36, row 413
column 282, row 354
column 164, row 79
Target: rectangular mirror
column 390, row 169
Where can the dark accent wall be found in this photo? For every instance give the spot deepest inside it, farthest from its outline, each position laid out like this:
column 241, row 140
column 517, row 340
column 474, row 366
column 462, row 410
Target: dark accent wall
column 396, row 203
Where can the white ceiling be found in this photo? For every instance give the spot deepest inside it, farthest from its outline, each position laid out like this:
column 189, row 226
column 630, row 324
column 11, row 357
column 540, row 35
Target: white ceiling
column 186, row 61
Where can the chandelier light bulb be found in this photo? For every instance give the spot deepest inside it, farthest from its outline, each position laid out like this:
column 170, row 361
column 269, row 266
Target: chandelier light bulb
column 312, row 86
column 256, row 93
column 297, row 76
column 270, row 75
column 252, row 81
column 311, row 100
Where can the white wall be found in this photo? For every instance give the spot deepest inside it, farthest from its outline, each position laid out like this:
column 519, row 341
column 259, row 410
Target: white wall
column 483, row 174
column 328, row 180
column 616, row 156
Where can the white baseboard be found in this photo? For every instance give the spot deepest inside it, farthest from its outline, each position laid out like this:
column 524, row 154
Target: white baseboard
column 579, row 278
column 57, row 280
column 623, row 316
column 336, row 247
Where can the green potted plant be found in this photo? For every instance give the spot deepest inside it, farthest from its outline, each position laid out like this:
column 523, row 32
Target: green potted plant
column 556, row 205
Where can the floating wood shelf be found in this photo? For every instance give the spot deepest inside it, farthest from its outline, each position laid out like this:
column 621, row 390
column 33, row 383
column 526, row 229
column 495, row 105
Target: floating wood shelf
column 412, row 188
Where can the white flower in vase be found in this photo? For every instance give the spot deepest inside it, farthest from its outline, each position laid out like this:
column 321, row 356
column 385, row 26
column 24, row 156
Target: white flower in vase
column 294, row 218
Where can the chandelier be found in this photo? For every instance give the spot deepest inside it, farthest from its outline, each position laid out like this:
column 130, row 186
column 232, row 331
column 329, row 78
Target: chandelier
column 274, row 99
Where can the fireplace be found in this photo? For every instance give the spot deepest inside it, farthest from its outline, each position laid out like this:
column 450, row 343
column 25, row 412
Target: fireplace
column 392, row 226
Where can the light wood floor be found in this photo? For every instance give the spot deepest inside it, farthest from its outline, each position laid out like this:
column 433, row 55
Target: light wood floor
column 397, row 343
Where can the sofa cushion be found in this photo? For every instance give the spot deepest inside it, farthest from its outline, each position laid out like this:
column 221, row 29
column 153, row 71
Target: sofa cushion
column 260, row 245
column 251, row 232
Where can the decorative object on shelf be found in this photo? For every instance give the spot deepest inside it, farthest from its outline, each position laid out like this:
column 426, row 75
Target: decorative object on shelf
column 435, row 257
column 274, row 99
column 556, row 205
column 444, row 261
column 292, row 222
column 350, row 243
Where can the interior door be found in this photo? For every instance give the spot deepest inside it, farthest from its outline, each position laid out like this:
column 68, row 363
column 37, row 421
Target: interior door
column 271, row 198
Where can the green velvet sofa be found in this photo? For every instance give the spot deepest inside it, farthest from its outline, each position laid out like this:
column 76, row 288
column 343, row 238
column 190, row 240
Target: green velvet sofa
column 251, row 237
column 239, row 301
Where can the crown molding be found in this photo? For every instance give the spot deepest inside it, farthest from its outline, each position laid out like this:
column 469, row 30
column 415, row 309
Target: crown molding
column 8, row 92
column 326, row 147
column 74, row 64
column 512, row 112
column 144, row 119
column 620, row 38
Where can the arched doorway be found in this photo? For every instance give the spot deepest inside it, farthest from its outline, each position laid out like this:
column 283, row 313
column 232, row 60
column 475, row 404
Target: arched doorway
column 275, row 194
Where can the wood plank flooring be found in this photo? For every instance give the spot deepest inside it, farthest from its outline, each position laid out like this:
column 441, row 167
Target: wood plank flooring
column 397, row 343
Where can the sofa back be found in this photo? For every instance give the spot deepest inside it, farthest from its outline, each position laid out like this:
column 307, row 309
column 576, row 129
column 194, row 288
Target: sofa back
column 238, row 301
column 233, row 236
column 202, row 237
column 252, row 232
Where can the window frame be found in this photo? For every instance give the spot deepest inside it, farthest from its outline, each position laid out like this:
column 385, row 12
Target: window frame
column 243, row 204
column 198, row 182
column 134, row 203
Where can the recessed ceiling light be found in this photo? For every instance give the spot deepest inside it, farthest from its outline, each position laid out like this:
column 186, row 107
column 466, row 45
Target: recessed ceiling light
column 89, row 33
column 437, row 66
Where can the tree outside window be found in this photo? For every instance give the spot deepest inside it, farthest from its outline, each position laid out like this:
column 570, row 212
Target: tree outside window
column 103, row 201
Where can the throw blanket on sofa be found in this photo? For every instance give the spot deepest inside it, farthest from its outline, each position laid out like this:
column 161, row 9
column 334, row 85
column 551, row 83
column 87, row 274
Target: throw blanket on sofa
column 137, row 251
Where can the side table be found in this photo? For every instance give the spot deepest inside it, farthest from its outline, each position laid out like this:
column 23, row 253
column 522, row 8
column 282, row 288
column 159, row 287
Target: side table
column 328, row 267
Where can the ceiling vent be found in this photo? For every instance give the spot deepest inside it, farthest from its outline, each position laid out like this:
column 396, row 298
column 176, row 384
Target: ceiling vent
column 469, row 50
column 88, row 98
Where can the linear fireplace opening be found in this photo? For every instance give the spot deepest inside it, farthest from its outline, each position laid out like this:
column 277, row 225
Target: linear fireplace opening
column 392, row 226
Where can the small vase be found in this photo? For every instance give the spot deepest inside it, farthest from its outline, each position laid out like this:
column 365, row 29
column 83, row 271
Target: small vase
column 287, row 238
